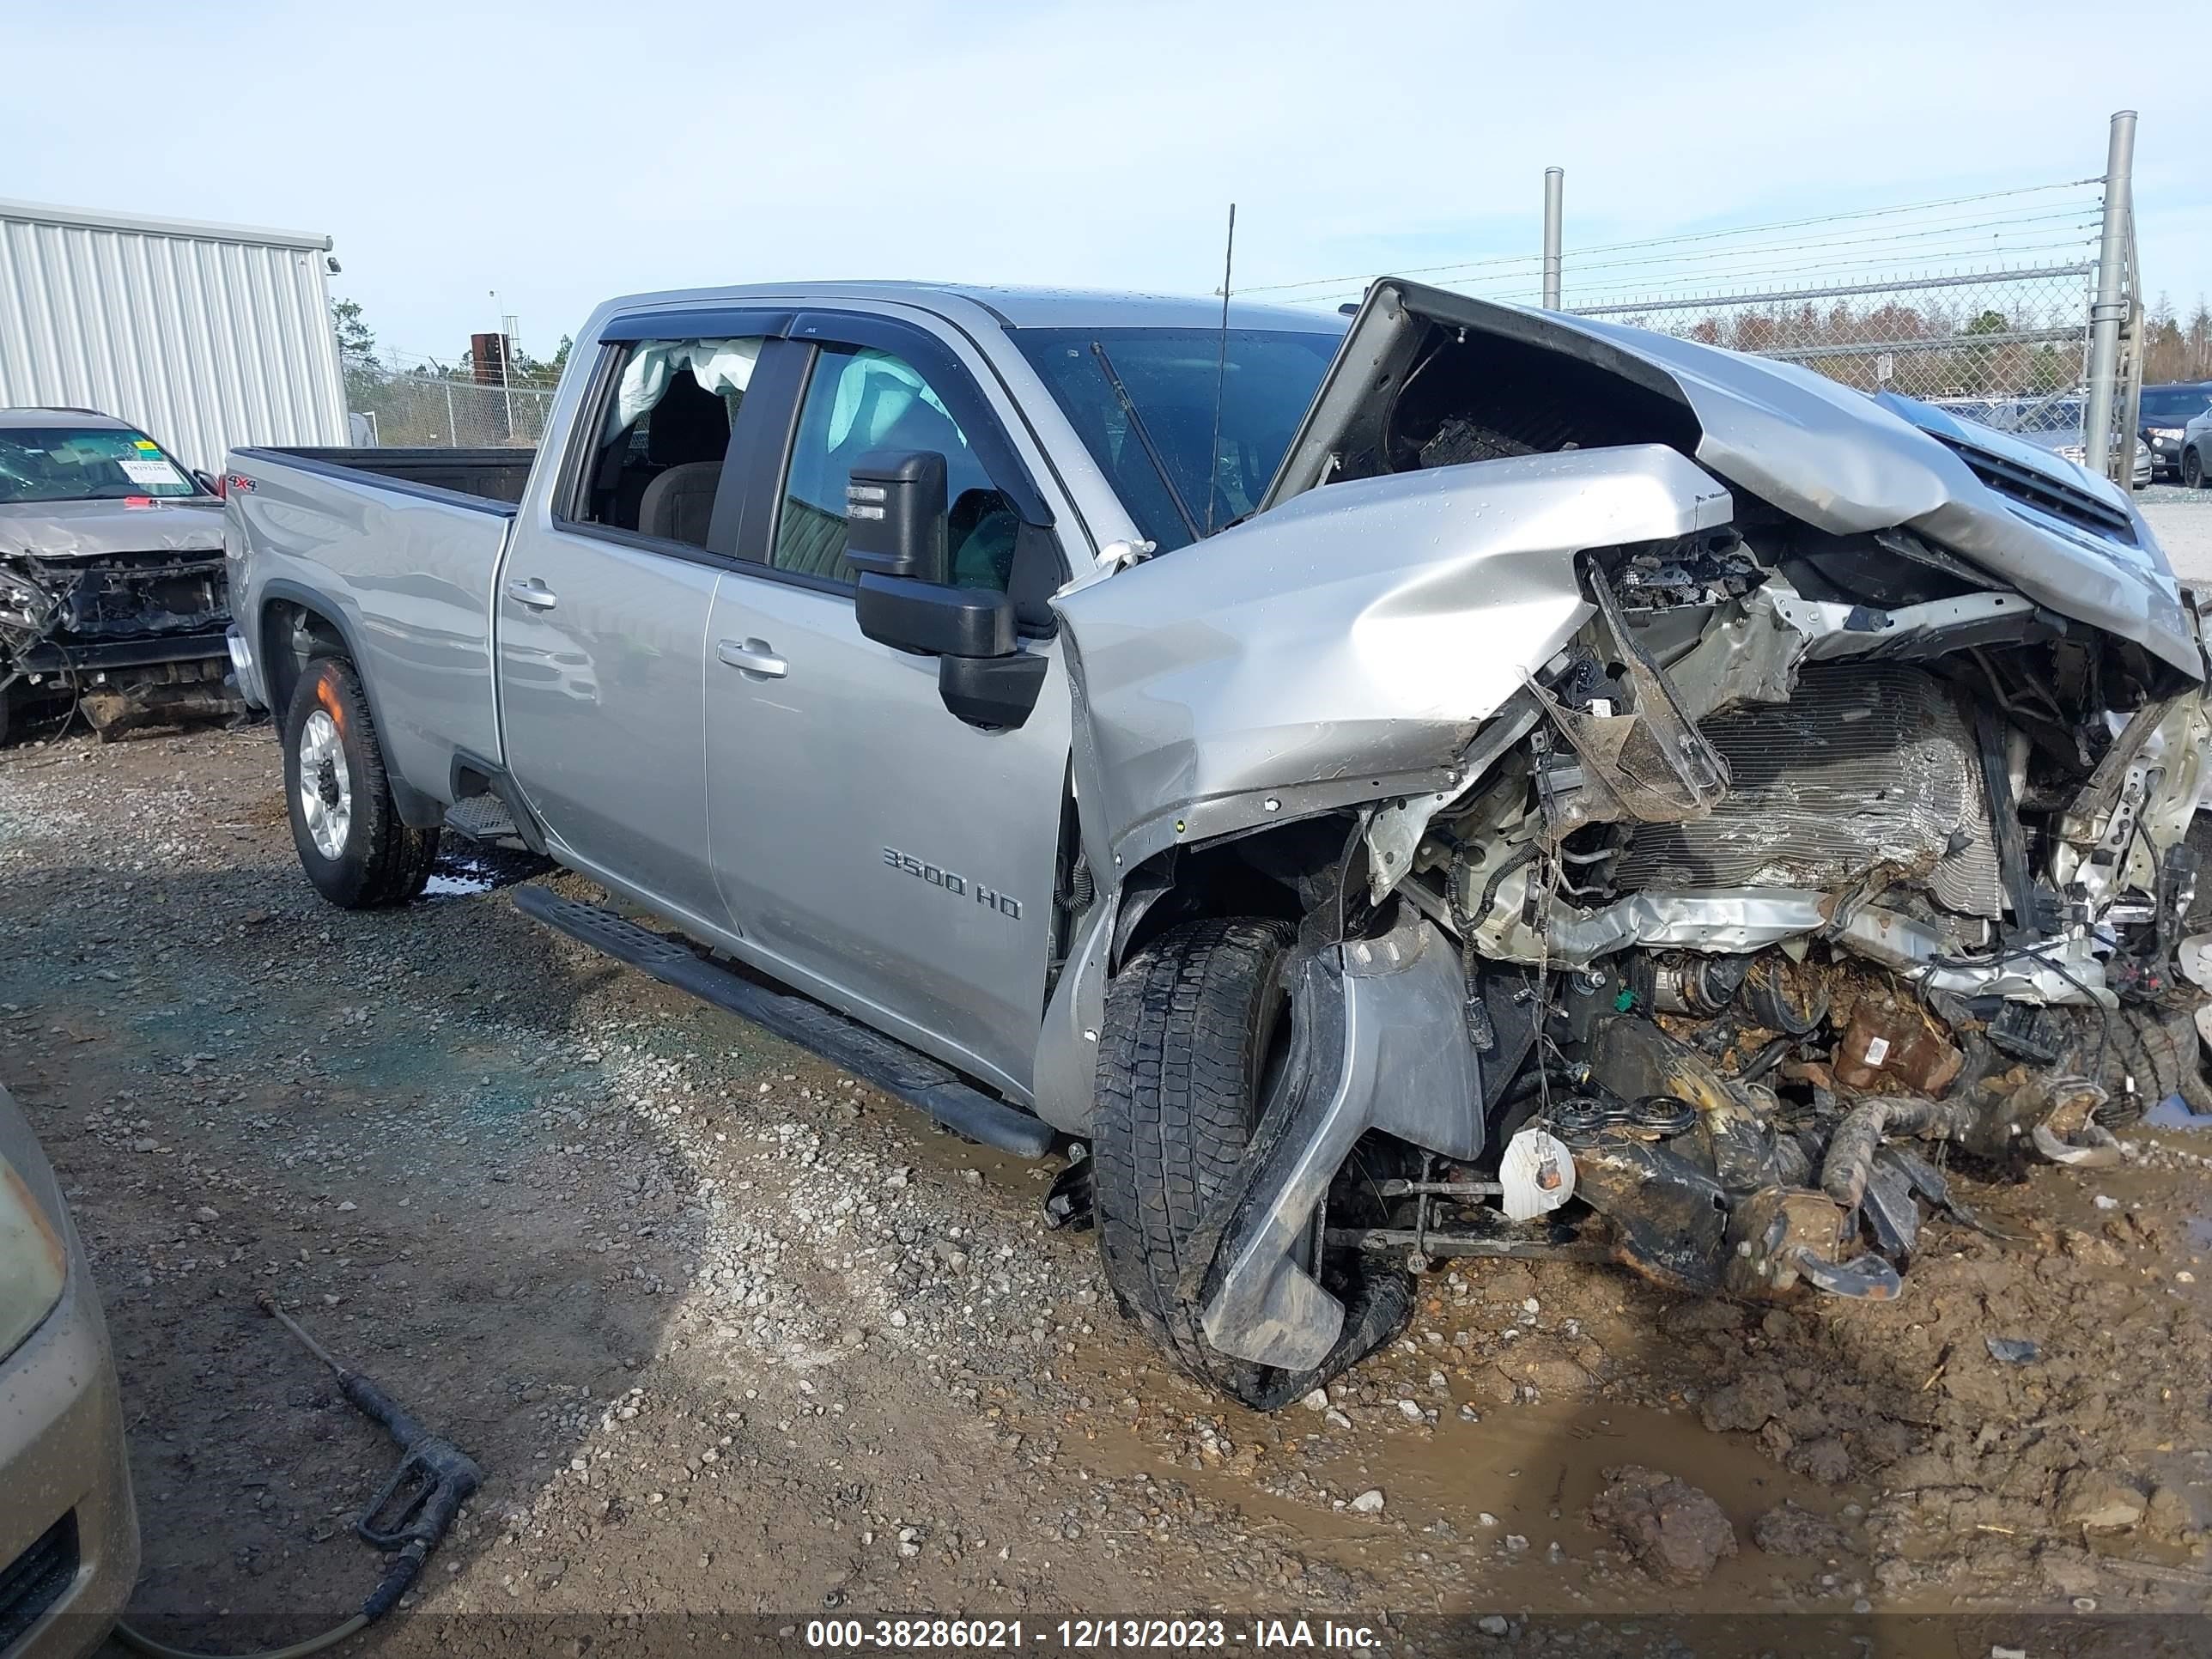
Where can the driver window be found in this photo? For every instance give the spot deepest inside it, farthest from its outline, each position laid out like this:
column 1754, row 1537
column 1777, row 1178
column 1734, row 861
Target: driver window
column 859, row 400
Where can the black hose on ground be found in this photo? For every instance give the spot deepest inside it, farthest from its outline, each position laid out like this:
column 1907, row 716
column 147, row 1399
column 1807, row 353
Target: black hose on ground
column 1849, row 1157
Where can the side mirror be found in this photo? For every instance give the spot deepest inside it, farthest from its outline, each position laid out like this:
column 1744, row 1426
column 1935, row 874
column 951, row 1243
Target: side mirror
column 896, row 517
column 207, row 481
column 898, row 526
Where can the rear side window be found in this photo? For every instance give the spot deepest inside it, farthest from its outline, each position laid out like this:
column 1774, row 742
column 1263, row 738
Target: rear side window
column 859, row 400
column 662, row 435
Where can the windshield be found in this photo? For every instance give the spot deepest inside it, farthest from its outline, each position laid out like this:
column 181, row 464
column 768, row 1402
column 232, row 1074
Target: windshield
column 2174, row 405
column 85, row 463
column 1143, row 401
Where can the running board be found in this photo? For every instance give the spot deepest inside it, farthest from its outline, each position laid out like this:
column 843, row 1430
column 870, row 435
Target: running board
column 873, row 1058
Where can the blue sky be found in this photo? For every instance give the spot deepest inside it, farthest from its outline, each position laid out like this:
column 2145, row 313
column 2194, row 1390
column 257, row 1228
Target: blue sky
column 561, row 152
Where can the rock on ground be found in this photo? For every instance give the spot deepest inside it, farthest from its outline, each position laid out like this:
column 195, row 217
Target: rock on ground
column 1674, row 1531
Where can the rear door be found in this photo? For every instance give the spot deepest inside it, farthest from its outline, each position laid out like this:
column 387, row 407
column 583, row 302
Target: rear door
column 874, row 848
column 603, row 602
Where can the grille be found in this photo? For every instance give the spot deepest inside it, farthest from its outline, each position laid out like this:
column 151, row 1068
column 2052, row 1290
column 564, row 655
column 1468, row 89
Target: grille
column 34, row 1580
column 1867, row 765
column 2032, row 489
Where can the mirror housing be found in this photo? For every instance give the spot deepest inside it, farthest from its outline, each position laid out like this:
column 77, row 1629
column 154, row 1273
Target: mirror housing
column 933, row 619
column 897, row 517
column 897, row 531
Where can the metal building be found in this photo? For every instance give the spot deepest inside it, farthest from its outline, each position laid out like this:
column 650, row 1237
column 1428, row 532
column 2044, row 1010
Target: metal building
column 207, row 335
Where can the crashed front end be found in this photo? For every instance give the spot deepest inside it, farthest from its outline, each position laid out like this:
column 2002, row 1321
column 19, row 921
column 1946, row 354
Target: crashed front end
column 1712, row 800
column 122, row 612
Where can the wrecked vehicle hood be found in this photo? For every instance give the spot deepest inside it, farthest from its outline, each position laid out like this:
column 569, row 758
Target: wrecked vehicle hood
column 1828, row 455
column 1349, row 643
column 84, row 529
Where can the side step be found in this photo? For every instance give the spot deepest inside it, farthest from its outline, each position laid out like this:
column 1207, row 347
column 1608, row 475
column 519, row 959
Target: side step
column 484, row 817
column 891, row 1067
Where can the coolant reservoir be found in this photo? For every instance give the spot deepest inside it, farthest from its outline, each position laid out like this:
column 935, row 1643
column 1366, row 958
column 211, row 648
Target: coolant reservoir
column 1890, row 1041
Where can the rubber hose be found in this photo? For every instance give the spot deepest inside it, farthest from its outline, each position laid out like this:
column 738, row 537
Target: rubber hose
column 138, row 1642
column 1849, row 1157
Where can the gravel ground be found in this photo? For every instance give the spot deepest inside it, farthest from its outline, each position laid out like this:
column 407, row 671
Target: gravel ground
column 732, row 1335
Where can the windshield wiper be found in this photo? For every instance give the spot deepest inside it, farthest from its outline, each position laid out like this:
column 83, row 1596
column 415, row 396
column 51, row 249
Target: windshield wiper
column 1145, row 439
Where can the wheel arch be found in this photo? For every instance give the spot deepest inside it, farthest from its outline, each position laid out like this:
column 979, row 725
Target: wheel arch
column 295, row 627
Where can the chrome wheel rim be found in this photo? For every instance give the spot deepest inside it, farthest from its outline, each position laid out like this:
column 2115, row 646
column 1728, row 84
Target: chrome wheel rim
column 325, row 784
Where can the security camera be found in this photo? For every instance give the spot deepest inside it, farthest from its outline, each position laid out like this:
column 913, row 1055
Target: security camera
column 331, row 261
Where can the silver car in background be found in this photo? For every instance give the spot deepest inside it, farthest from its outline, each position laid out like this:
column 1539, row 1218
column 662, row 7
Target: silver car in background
column 69, row 1532
column 2057, row 424
column 2195, row 458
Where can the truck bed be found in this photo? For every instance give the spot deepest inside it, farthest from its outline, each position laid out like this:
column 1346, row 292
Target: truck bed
column 401, row 548
column 496, row 475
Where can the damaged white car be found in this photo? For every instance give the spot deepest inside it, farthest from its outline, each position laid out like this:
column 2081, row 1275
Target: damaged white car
column 1482, row 783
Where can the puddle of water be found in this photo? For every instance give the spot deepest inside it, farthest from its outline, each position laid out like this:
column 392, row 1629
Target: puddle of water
column 464, row 872
column 1535, row 1469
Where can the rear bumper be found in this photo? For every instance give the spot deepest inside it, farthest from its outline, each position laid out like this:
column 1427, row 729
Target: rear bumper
column 69, row 1531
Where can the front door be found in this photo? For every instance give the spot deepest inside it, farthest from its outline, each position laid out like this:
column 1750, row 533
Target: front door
column 603, row 616
column 873, row 847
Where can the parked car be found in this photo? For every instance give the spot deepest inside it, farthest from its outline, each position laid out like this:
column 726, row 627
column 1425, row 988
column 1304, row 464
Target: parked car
column 2165, row 413
column 2195, row 463
column 2057, row 424
column 110, row 573
column 1315, row 806
column 69, row 1532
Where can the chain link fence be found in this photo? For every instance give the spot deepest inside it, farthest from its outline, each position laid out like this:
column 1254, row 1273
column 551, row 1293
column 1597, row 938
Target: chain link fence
column 443, row 410
column 1984, row 302
column 1985, row 299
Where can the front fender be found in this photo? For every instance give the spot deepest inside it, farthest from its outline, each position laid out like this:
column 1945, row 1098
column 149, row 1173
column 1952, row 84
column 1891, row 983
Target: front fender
column 1343, row 647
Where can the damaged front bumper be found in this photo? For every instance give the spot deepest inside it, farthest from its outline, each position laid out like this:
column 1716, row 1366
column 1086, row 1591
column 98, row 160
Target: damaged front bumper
column 134, row 639
column 1713, row 867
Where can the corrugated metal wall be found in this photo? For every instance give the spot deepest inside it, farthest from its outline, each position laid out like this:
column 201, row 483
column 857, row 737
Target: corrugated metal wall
column 206, row 335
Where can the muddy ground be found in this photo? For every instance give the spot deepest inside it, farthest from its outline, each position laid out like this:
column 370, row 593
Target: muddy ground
column 732, row 1335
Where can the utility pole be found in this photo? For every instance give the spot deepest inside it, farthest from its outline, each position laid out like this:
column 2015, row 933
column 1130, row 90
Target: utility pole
column 2111, row 307
column 1555, row 179
column 505, row 351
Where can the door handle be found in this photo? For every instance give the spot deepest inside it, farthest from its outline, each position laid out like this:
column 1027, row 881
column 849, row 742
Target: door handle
column 534, row 594
column 752, row 657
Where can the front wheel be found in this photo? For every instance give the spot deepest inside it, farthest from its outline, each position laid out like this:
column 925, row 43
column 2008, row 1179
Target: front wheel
column 346, row 826
column 2192, row 468
column 1191, row 1059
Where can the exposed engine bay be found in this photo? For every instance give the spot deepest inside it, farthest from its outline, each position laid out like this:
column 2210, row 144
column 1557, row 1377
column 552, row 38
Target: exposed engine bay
column 1789, row 890
column 1821, row 828
column 131, row 639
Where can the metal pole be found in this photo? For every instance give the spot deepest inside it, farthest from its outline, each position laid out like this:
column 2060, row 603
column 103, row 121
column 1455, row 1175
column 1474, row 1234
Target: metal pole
column 1555, row 180
column 453, row 430
column 2111, row 309
column 2129, row 411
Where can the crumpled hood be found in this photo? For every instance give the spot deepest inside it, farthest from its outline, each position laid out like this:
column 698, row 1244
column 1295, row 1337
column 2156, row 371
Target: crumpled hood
column 84, row 529
column 1839, row 460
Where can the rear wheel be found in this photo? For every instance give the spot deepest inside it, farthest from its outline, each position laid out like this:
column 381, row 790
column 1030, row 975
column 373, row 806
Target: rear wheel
column 1190, row 1060
column 346, row 826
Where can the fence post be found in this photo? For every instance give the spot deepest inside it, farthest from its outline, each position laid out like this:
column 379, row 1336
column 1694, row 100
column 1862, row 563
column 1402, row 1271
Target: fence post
column 453, row 431
column 2111, row 309
column 1554, row 185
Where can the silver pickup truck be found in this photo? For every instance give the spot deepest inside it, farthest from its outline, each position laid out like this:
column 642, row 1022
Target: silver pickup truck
column 1470, row 782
